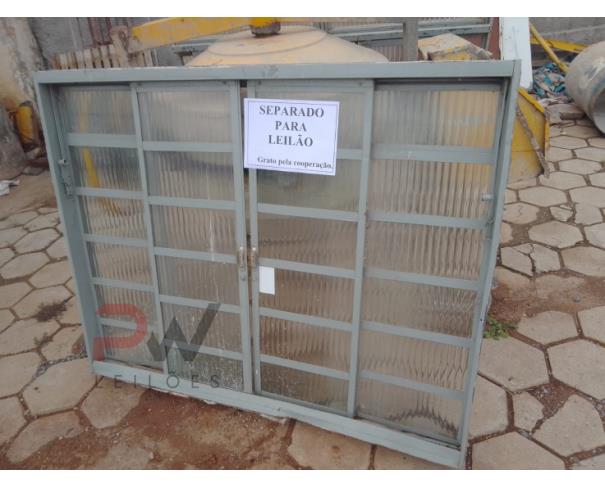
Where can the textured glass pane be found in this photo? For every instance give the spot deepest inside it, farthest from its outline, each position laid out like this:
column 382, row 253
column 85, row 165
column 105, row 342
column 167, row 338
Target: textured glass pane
column 431, row 188
column 197, row 279
column 98, row 111
column 119, row 262
column 305, row 343
column 138, row 354
column 309, row 240
column 415, row 114
column 195, row 116
column 418, row 360
column 113, row 217
column 194, row 229
column 141, row 299
column 440, row 251
column 206, row 369
column 190, row 175
column 431, row 308
column 222, row 331
column 350, row 114
column 304, row 386
column 425, row 413
column 106, row 167
column 311, row 294
column 339, row 192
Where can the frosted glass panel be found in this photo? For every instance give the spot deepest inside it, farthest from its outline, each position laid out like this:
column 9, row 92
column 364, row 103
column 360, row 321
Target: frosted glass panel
column 350, row 115
column 141, row 299
column 206, row 369
column 190, row 175
column 106, row 167
column 195, row 116
column 431, row 188
column 309, row 240
column 197, row 279
column 221, row 330
column 311, row 294
column 98, row 111
column 304, row 386
column 423, row 249
column 431, row 308
column 337, row 192
column 194, row 229
column 120, row 262
column 425, row 413
column 137, row 355
column 113, row 217
column 418, row 360
column 305, row 343
column 422, row 115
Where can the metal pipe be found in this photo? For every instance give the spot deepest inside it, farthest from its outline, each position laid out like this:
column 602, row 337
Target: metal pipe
column 585, row 82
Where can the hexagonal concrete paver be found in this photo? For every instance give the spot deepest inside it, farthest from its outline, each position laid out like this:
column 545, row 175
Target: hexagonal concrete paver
column 22, row 218
column 513, row 364
column 44, row 397
column 576, row 427
column 592, row 463
column 513, row 259
column 520, row 213
column 585, row 260
column 16, row 371
column 556, row 154
column 597, row 142
column 563, row 180
column 581, row 364
column 43, row 221
column 26, row 335
column 595, row 234
column 592, row 322
column 11, row 418
column 513, row 452
column 385, row 459
column 561, row 214
column 591, row 153
column 579, row 166
column 582, row 131
column 12, row 293
column 71, row 315
column 10, row 235
column 51, row 275
column 110, row 401
column 23, row 265
column 58, row 249
column 542, row 196
column 30, row 305
column 34, row 241
column 597, row 179
column 324, row 450
column 6, row 254
column 45, row 210
column 6, row 319
column 509, row 196
column 490, row 411
column 548, row 327
column 587, row 214
column 589, row 195
column 62, row 343
column 523, row 183
column 41, row 432
column 527, row 411
column 511, row 280
column 565, row 142
column 555, row 234
column 506, row 233
column 544, row 259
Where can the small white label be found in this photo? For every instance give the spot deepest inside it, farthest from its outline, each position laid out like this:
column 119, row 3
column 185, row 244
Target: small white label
column 291, row 135
column 266, row 278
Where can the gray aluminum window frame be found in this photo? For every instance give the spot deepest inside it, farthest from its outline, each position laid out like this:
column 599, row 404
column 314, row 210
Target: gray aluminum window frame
column 503, row 73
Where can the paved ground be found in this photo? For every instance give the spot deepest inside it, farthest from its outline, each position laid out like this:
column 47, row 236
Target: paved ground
column 540, row 399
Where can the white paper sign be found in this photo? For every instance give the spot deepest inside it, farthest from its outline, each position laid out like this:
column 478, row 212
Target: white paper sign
column 266, row 279
column 291, row 135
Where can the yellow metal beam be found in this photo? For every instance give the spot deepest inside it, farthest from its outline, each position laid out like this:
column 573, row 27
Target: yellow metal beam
column 561, row 45
column 546, row 47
